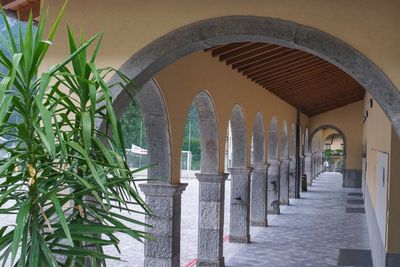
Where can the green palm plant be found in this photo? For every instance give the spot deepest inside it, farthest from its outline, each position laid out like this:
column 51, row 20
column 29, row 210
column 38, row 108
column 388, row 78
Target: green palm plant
column 63, row 176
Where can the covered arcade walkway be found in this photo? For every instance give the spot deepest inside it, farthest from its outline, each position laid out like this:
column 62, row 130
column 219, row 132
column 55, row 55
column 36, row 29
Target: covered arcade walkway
column 322, row 228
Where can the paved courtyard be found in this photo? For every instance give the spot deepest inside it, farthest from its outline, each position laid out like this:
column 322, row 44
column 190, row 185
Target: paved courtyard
column 311, row 231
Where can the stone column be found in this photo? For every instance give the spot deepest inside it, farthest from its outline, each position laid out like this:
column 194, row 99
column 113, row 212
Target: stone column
column 284, row 182
column 307, row 168
column 239, row 231
column 164, row 200
column 211, row 219
column 259, row 195
column 273, row 186
column 292, row 177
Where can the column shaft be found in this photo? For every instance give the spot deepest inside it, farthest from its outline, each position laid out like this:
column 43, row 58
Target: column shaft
column 284, row 182
column 259, row 195
column 240, row 205
column 273, row 186
column 211, row 219
column 307, row 168
column 164, row 201
column 292, row 177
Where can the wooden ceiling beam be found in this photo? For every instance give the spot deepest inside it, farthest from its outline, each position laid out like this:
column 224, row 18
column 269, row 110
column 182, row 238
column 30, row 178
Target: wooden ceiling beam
column 267, row 57
column 299, row 78
column 273, row 65
column 11, row 4
column 245, row 50
column 263, row 61
column 324, row 81
column 226, row 48
column 289, row 70
column 311, row 72
column 24, row 12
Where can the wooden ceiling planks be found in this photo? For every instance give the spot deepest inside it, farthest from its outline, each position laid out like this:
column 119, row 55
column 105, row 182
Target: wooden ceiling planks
column 22, row 8
column 303, row 80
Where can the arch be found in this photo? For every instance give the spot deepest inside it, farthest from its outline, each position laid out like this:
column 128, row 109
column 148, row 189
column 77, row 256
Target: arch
column 284, row 153
column 238, row 128
column 259, row 139
column 306, row 142
column 273, row 140
column 208, row 133
column 155, row 118
column 331, row 127
column 292, row 143
column 203, row 34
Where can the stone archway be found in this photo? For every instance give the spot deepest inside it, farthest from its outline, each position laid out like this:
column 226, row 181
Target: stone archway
column 239, row 227
column 274, row 169
column 211, row 186
column 351, row 178
column 259, row 181
column 284, row 167
column 142, row 66
column 159, row 190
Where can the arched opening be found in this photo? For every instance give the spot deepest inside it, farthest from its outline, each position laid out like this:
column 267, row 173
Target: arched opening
column 211, row 32
column 239, row 226
column 284, row 168
column 273, row 170
column 333, row 153
column 259, row 175
column 205, row 201
column 321, row 152
column 145, row 130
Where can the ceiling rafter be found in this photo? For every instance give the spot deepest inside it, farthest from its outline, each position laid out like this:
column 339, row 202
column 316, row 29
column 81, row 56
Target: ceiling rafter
column 299, row 78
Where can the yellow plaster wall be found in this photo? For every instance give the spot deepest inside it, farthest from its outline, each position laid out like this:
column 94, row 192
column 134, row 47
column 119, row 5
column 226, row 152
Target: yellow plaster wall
column 377, row 131
column 348, row 119
column 183, row 80
column 370, row 26
column 393, row 245
column 379, row 135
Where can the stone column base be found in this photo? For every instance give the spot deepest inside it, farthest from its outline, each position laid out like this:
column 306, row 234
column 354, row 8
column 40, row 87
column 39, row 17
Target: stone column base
column 164, row 200
column 211, row 219
column 259, row 195
column 273, row 187
column 239, row 227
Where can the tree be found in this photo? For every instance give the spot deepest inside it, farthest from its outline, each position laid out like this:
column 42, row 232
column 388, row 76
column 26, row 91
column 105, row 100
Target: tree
column 63, row 175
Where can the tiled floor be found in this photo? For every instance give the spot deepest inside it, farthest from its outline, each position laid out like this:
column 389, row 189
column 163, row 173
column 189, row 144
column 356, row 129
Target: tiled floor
column 310, row 232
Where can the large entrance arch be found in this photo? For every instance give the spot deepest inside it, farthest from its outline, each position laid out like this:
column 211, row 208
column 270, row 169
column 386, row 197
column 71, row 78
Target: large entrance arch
column 142, row 66
column 349, row 179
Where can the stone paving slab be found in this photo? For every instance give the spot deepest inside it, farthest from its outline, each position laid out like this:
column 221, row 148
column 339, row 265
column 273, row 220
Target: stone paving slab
column 310, row 232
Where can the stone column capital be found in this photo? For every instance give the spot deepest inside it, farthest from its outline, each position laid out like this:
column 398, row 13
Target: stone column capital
column 162, row 190
column 260, row 166
column 284, row 160
column 274, row 163
column 240, row 170
column 211, row 177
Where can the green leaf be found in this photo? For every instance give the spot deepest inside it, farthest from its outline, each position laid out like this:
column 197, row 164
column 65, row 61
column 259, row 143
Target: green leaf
column 20, row 224
column 61, row 217
column 48, row 127
column 87, row 129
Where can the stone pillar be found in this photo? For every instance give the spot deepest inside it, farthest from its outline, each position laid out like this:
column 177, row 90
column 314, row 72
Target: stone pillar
column 273, row 187
column 259, row 195
column 292, row 177
column 211, row 219
column 307, row 168
column 164, row 200
column 239, row 231
column 284, row 182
